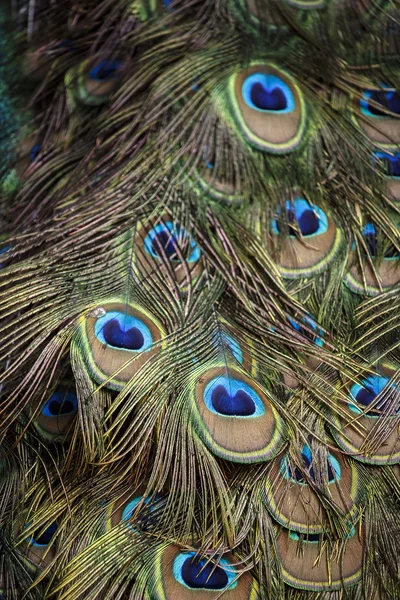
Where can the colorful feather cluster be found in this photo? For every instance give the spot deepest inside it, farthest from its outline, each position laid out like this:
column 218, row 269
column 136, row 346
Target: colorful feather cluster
column 200, row 300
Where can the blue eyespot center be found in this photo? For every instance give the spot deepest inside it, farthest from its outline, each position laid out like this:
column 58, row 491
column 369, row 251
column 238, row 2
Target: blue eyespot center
column 391, row 163
column 163, row 241
column 265, row 99
column 296, row 475
column 123, row 331
column 144, row 517
column 365, row 394
column 268, row 93
column 131, row 339
column 389, row 100
column 239, row 405
column 309, row 220
column 166, row 238
column 371, row 240
column 106, row 69
column 43, row 537
column 34, row 152
column 199, row 574
column 231, row 397
column 60, row 404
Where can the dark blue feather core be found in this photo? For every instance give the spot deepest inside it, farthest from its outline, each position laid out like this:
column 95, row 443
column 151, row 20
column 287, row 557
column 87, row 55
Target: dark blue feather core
column 298, row 475
column 268, row 93
column 105, row 70
column 164, row 243
column 43, row 538
column 61, row 408
column 388, row 100
column 366, row 396
column 313, row 537
column 266, row 99
column 199, row 575
column 391, row 163
column 61, row 404
column 371, row 240
column 115, row 335
column 239, row 404
column 34, row 152
column 307, row 222
column 164, row 240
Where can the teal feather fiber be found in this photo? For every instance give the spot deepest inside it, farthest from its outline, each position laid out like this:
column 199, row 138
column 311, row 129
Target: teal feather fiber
column 199, row 300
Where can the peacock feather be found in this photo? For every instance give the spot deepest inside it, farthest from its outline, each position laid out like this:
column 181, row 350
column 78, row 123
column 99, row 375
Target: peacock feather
column 200, row 298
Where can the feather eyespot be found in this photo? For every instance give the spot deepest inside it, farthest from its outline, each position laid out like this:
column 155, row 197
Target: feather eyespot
column 233, row 398
column 60, row 404
column 166, row 239
column 218, row 185
column 118, row 342
column 390, row 162
column 268, row 93
column 40, row 546
column 186, row 575
column 167, row 247
column 268, row 107
column 145, row 516
column 92, row 82
column 304, row 240
column 123, row 331
column 297, row 476
column 199, row 574
column 365, row 395
column 376, row 112
column 370, row 236
column 233, row 417
column 308, row 220
column 57, row 416
column 129, row 509
column 372, row 279
column 355, row 430
column 317, row 567
column 105, row 70
column 295, row 504
column 372, row 99
column 126, row 510
column 43, row 538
